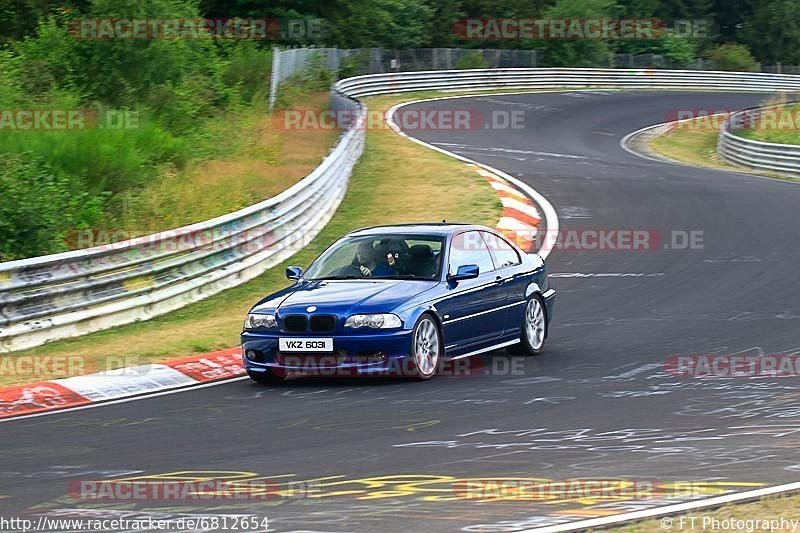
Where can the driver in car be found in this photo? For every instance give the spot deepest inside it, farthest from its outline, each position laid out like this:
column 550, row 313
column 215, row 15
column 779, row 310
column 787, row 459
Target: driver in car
column 369, row 265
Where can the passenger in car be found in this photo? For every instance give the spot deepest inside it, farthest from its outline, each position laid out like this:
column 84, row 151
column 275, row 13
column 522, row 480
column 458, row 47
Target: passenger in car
column 371, row 264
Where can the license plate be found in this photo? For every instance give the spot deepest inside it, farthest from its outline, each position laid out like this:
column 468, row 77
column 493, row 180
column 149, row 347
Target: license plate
column 305, row 345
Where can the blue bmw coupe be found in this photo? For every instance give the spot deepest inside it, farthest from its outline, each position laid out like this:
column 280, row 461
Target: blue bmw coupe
column 400, row 300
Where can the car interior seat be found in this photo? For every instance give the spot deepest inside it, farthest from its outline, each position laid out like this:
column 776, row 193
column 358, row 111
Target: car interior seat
column 423, row 263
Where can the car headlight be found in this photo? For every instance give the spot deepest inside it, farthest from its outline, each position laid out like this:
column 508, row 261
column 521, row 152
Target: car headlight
column 254, row 321
column 377, row 321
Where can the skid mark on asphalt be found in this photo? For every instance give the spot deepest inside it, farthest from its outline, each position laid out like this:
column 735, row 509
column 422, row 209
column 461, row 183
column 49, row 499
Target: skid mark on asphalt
column 734, row 260
column 573, row 211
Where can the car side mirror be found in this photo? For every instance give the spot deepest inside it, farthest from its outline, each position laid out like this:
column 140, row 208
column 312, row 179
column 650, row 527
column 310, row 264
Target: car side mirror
column 294, row 273
column 464, row 272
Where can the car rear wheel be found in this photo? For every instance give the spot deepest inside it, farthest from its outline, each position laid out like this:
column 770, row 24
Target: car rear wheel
column 426, row 347
column 534, row 326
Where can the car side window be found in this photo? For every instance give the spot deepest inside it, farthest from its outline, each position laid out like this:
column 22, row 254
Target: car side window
column 502, row 252
column 469, row 248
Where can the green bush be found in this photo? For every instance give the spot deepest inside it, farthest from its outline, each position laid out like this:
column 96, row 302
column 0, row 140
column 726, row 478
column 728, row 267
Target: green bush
column 471, row 60
column 679, row 51
column 39, row 207
column 181, row 90
column 11, row 94
column 732, row 56
column 247, row 70
column 97, row 160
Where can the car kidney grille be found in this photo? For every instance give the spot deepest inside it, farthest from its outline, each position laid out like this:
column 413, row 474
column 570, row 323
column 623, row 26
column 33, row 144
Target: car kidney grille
column 323, row 323
column 295, row 323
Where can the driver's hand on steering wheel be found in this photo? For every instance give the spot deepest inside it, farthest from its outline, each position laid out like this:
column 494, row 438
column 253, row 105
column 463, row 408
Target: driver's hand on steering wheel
column 365, row 271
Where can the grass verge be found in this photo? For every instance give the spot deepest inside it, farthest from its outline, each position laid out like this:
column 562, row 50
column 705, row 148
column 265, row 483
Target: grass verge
column 395, row 181
column 771, row 508
column 781, row 126
column 263, row 159
column 693, row 142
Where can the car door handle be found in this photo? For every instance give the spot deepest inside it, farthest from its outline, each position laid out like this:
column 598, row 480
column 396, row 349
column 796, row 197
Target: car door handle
column 499, row 280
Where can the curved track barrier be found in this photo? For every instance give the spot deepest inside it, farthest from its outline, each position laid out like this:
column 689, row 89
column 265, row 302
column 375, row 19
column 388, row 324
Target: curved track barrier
column 74, row 293
column 750, row 153
column 549, row 78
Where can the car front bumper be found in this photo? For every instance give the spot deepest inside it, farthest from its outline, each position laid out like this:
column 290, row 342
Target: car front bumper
column 354, row 354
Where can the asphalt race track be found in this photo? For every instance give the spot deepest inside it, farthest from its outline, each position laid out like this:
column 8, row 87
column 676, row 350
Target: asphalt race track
column 398, row 456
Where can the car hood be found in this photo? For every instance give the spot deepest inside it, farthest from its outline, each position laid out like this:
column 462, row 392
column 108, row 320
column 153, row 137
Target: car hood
column 346, row 296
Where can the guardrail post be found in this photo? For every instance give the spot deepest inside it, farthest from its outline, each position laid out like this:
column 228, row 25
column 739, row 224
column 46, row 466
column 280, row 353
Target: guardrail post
column 275, row 78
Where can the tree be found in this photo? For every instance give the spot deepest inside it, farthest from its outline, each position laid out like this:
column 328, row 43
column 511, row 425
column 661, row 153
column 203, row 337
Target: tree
column 444, row 14
column 773, row 31
column 584, row 52
column 386, row 23
column 679, row 51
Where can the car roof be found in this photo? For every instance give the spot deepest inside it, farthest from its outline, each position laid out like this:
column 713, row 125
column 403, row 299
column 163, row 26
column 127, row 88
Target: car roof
column 429, row 228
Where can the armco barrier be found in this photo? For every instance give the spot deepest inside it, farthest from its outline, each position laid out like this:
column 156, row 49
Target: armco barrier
column 73, row 293
column 548, row 78
column 760, row 155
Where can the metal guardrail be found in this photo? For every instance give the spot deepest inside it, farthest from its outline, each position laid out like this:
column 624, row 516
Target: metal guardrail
column 750, row 153
column 78, row 292
column 548, row 78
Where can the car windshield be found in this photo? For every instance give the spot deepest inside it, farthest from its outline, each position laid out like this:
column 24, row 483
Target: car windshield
column 380, row 257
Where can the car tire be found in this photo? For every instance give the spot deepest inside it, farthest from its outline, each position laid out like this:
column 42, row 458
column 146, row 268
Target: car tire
column 265, row 378
column 426, row 348
column 534, row 326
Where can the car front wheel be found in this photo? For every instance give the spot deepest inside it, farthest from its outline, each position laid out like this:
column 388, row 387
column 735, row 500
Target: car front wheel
column 426, row 347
